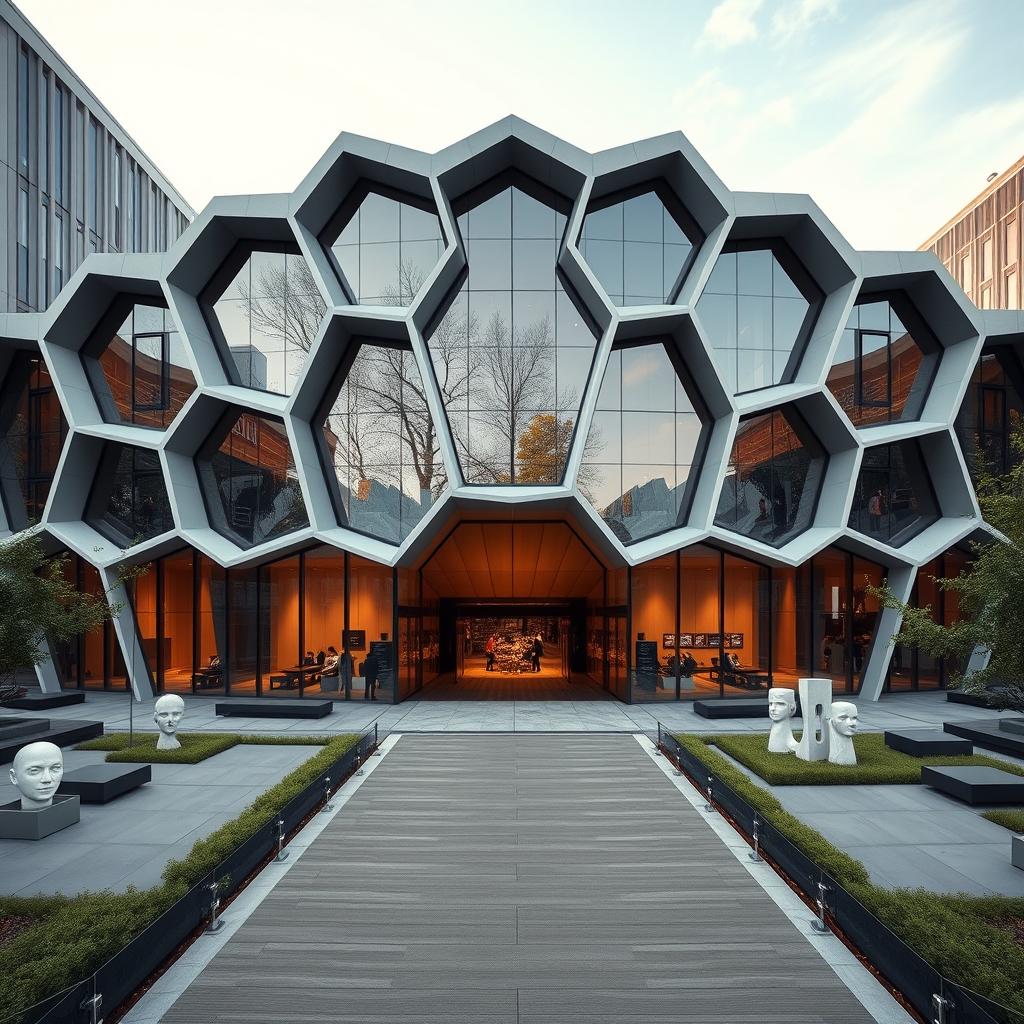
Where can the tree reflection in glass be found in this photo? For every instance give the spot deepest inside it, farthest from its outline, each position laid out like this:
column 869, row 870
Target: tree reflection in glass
column 512, row 352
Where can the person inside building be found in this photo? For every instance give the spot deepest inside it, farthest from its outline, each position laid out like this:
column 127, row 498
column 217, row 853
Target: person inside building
column 371, row 670
column 346, row 670
column 331, row 664
column 538, row 652
column 489, row 651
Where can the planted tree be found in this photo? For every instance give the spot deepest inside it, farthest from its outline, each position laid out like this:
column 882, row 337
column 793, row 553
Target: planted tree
column 990, row 593
column 39, row 602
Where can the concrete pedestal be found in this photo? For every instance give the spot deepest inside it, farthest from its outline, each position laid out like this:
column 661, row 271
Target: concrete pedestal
column 18, row 824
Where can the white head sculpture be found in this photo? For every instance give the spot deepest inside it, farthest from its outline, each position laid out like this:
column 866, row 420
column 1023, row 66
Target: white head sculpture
column 842, row 727
column 167, row 713
column 781, row 709
column 37, row 771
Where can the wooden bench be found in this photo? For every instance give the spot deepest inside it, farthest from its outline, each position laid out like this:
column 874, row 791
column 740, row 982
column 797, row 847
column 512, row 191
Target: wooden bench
column 101, row 783
column 976, row 784
column 927, row 742
column 276, row 708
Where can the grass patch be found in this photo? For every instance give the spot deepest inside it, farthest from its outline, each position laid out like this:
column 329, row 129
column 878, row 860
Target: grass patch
column 966, row 938
column 1009, row 817
column 195, row 746
column 74, row 935
column 877, row 764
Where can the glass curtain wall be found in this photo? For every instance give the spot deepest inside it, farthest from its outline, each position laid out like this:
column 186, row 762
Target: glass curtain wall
column 696, row 622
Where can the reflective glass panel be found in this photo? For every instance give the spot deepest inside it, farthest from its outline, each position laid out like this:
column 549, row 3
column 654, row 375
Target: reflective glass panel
column 32, row 429
column 512, row 352
column 644, row 443
column 384, row 249
column 381, row 447
column 129, row 500
column 756, row 316
column 881, row 371
column 146, row 376
column 248, row 476
column 894, row 499
column 638, row 247
column 775, row 473
column 991, row 411
column 266, row 316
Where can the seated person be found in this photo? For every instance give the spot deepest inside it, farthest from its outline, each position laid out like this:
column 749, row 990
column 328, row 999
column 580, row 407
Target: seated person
column 309, row 659
column 733, row 659
column 688, row 665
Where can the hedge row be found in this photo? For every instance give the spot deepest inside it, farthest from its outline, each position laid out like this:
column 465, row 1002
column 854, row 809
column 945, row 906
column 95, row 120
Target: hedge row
column 1009, row 817
column 877, row 764
column 75, row 935
column 195, row 746
column 969, row 939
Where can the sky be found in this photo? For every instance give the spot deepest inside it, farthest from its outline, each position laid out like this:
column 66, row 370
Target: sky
column 889, row 114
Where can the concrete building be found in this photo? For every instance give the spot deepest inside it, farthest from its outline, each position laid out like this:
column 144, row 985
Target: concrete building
column 74, row 181
column 509, row 390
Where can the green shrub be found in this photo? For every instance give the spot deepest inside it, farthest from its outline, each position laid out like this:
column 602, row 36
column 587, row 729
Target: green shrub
column 1009, row 817
column 967, row 938
column 195, row 746
column 877, row 764
column 74, row 935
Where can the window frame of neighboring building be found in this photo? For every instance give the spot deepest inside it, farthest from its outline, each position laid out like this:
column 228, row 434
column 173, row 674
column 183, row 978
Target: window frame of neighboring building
column 861, row 398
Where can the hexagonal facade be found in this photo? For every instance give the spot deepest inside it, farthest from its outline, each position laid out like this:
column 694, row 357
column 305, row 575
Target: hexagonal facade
column 510, row 389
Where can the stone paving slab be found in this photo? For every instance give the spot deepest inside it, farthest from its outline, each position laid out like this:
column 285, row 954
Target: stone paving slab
column 517, row 878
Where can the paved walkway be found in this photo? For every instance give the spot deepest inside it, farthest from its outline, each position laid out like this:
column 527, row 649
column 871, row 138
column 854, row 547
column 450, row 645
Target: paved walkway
column 513, row 879
column 898, row 711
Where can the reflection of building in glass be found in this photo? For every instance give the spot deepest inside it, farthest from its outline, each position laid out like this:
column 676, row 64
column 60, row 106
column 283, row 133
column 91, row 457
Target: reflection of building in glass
column 249, row 480
column 883, row 366
column 506, row 388
column 775, row 472
column 894, row 499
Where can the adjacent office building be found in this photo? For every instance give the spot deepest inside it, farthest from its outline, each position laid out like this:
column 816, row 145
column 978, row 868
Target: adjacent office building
column 74, row 182
column 435, row 407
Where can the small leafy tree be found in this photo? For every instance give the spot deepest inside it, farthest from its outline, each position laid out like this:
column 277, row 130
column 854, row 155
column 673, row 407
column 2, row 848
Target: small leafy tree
column 39, row 602
column 990, row 592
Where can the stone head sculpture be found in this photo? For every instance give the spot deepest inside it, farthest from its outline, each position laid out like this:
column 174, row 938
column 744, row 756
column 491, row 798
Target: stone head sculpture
column 781, row 709
column 842, row 727
column 36, row 772
column 167, row 713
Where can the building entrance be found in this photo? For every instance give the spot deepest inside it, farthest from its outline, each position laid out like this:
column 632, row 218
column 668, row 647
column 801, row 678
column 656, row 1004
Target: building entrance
column 512, row 613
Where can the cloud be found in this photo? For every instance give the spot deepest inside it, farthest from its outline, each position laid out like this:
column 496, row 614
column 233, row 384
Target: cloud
column 793, row 20
column 731, row 23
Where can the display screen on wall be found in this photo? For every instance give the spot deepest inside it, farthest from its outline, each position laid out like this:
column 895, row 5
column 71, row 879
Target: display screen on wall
column 730, row 641
column 355, row 639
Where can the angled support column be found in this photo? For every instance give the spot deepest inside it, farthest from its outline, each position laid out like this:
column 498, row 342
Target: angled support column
column 901, row 583
column 128, row 636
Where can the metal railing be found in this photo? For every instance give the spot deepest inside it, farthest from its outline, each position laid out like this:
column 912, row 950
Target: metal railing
column 198, row 911
column 936, row 998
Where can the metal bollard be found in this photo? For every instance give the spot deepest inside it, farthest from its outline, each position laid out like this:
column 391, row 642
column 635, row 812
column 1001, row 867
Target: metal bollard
column 710, row 806
column 328, row 806
column 93, row 1006
column 282, row 853
column 216, row 923
column 942, row 1008
column 755, row 853
column 376, row 741
column 818, row 923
